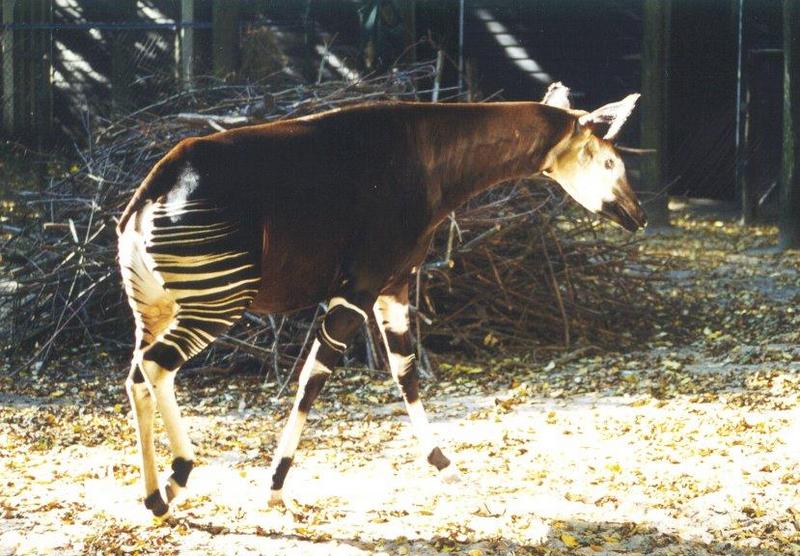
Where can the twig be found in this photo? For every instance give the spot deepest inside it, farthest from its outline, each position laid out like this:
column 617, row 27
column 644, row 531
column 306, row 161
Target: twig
column 244, row 346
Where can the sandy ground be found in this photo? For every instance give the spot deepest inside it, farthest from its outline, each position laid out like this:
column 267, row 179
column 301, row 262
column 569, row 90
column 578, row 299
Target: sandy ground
column 585, row 474
column 675, row 449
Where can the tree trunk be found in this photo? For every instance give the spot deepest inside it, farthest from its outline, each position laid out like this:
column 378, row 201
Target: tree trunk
column 187, row 42
column 790, row 183
column 225, row 37
column 9, row 87
column 745, row 190
column 655, row 63
column 123, row 72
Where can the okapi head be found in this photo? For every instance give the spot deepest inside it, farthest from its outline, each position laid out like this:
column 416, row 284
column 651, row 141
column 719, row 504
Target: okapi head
column 589, row 168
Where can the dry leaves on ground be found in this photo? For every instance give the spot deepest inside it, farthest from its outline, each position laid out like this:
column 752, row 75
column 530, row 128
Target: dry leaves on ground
column 676, row 448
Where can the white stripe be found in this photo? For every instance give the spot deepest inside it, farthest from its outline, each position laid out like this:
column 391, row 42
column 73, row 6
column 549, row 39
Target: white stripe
column 179, row 294
column 190, row 315
column 236, row 296
column 331, row 339
column 195, row 260
column 161, row 339
column 183, row 277
column 337, row 301
column 155, row 241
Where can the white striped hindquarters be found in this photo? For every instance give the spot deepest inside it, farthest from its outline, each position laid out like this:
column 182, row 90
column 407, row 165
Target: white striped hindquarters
column 188, row 273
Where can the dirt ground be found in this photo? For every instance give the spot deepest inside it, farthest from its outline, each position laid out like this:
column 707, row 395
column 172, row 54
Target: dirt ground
column 682, row 447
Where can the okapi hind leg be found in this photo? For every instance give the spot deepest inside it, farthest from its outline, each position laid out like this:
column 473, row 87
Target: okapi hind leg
column 190, row 269
column 179, row 441
column 143, row 404
column 157, row 379
column 160, row 363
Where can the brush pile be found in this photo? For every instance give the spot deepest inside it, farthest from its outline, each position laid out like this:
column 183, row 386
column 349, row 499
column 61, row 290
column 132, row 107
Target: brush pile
column 508, row 273
column 531, row 273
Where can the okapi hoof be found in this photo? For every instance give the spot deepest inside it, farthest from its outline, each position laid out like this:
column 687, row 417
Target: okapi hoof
column 155, row 503
column 280, row 502
column 437, row 459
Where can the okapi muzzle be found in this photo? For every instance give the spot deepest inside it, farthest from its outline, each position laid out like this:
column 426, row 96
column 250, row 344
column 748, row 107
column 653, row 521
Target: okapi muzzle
column 625, row 209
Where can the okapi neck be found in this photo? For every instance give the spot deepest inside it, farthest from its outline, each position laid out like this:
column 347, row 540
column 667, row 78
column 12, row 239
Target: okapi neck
column 472, row 147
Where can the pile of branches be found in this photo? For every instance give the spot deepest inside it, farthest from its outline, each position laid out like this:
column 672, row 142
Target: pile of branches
column 520, row 269
column 505, row 274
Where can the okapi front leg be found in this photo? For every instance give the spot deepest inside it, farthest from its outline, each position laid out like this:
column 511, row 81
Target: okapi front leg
column 391, row 313
column 336, row 331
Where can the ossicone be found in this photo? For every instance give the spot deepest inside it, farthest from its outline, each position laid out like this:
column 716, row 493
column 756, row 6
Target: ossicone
column 557, row 95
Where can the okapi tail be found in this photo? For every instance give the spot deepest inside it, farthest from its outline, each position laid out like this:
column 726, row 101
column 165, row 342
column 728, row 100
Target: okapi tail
column 158, row 182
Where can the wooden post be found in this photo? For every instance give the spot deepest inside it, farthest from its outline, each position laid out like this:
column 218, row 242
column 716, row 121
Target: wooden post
column 8, row 68
column 123, row 72
column 27, row 69
column 655, row 64
column 763, row 132
column 225, row 36
column 790, row 183
column 187, row 43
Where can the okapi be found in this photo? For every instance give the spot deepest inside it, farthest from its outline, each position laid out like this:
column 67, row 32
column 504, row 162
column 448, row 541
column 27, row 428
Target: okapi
column 338, row 207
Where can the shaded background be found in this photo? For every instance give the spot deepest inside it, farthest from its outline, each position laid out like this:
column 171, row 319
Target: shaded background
column 79, row 61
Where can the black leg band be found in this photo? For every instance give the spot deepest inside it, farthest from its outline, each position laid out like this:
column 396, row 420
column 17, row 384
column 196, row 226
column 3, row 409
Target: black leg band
column 181, row 468
column 407, row 376
column 280, row 473
column 399, row 343
column 409, row 383
column 137, row 377
column 312, row 390
column 164, row 355
column 336, row 332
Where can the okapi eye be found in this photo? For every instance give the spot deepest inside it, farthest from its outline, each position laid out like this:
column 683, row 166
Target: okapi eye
column 609, row 164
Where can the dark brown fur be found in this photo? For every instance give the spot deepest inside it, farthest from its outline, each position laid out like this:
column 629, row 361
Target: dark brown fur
column 352, row 196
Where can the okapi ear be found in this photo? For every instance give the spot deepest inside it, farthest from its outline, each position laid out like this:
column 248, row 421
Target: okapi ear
column 557, row 95
column 614, row 115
